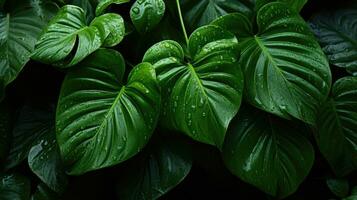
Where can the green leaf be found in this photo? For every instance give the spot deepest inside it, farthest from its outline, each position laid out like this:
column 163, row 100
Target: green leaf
column 146, row 14
column 285, row 70
column 337, row 35
column 31, row 125
column 19, row 30
column 67, row 39
column 14, row 187
column 44, row 193
column 103, row 4
column 336, row 126
column 101, row 122
column 202, row 92
column 5, row 129
column 339, row 187
column 154, row 174
column 267, row 152
column 45, row 161
column 201, row 12
column 295, row 5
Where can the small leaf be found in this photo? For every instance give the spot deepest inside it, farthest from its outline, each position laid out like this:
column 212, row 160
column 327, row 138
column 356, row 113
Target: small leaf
column 101, row 122
column 339, row 187
column 286, row 72
column 337, row 35
column 67, row 39
column 267, row 152
column 103, row 4
column 201, row 95
column 336, row 127
column 14, row 187
column 146, row 14
column 153, row 175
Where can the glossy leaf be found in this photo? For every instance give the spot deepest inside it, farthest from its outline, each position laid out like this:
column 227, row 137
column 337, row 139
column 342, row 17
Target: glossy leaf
column 207, row 87
column 103, row 4
column 154, row 174
column 19, row 30
column 267, row 152
column 45, row 161
column 285, row 69
column 336, row 133
column 67, row 40
column 31, row 125
column 146, row 14
column 44, row 193
column 201, row 12
column 14, row 187
column 339, row 187
column 337, row 33
column 101, row 122
column 295, row 5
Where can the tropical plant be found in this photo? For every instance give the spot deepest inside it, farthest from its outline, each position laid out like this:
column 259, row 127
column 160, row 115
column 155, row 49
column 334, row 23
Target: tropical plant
column 116, row 99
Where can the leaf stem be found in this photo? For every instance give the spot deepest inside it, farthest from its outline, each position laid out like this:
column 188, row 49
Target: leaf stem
column 181, row 21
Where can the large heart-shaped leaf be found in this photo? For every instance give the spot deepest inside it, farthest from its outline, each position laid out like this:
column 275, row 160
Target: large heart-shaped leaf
column 101, row 122
column 67, row 39
column 285, row 70
column 336, row 133
column 337, row 33
column 14, row 187
column 19, row 30
column 267, row 152
column 201, row 12
column 152, row 175
column 203, row 95
column 103, row 4
column 146, row 14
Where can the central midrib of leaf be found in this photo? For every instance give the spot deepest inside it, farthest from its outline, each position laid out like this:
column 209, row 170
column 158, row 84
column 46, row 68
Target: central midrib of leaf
column 266, row 52
column 110, row 111
column 194, row 74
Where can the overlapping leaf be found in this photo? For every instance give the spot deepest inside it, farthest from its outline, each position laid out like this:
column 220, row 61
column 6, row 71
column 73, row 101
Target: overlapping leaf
column 208, row 87
column 295, row 5
column 201, row 12
column 154, row 174
column 100, row 121
column 34, row 139
column 336, row 127
column 337, row 33
column 67, row 39
column 267, row 152
column 19, row 30
column 285, row 69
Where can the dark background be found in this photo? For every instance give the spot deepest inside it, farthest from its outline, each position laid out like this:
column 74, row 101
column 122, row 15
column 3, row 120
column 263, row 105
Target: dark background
column 40, row 84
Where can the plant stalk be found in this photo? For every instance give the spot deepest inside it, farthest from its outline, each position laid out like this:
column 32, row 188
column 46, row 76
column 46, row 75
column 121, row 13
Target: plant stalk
column 181, row 21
